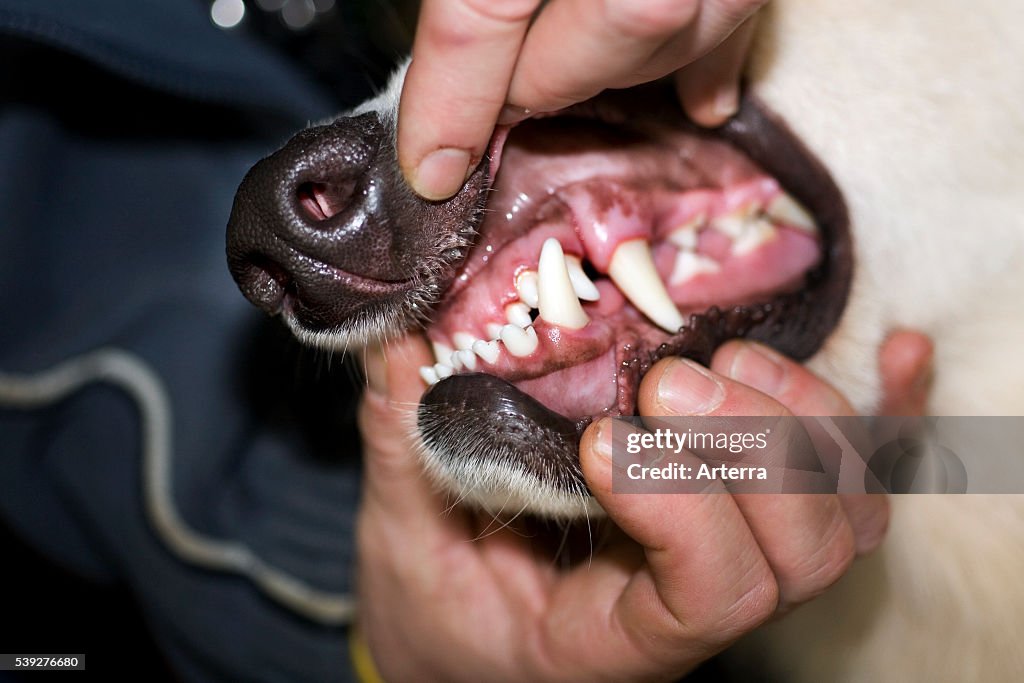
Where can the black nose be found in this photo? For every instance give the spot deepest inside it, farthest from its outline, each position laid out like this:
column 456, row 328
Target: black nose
column 329, row 221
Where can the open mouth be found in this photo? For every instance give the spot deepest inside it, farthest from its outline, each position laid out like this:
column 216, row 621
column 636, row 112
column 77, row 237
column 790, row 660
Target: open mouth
column 618, row 234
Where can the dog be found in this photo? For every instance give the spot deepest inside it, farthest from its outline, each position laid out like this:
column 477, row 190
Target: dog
column 872, row 140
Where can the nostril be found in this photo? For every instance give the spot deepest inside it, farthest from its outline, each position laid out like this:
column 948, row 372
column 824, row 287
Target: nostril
column 263, row 282
column 320, row 201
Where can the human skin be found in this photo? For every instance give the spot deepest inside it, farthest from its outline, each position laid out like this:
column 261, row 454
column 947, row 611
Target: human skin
column 685, row 577
column 477, row 61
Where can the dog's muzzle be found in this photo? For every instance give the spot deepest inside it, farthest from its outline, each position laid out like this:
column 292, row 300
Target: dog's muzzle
column 325, row 230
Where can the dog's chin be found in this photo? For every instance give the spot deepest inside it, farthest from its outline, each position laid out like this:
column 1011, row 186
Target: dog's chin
column 615, row 234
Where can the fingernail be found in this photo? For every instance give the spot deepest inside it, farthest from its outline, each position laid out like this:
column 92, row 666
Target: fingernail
column 758, row 367
column 512, row 114
column 688, row 388
column 726, row 102
column 441, row 173
column 603, row 440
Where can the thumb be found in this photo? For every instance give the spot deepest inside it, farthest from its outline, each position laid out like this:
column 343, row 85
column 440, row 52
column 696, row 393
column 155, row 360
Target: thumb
column 393, row 474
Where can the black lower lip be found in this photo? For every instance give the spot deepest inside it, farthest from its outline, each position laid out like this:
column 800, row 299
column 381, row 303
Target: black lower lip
column 494, row 419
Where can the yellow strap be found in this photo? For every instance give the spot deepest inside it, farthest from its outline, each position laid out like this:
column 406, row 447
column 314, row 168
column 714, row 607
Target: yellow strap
column 362, row 660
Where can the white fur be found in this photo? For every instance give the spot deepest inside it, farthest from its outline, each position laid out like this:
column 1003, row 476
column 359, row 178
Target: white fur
column 915, row 108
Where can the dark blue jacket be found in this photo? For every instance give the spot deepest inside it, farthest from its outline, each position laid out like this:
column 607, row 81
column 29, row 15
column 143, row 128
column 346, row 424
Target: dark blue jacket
column 199, row 458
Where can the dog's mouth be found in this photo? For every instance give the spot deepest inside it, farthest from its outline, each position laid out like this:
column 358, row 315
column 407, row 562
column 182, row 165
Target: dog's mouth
column 616, row 235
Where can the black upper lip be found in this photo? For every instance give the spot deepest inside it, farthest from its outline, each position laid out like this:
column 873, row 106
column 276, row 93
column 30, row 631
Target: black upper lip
column 766, row 139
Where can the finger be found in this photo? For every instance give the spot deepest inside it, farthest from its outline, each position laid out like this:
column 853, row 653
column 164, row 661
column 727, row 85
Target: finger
column 868, row 515
column 803, row 393
column 709, row 88
column 705, row 581
column 791, row 384
column 806, row 538
column 610, row 45
column 905, row 363
column 463, row 57
column 393, row 475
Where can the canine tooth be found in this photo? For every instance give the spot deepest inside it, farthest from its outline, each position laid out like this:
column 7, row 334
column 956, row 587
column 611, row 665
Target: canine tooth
column 468, row 358
column 454, row 360
column 557, row 299
column 755, row 234
column 488, row 350
column 526, row 286
column 518, row 314
column 583, row 286
column 463, row 340
column 428, row 375
column 689, row 265
column 493, row 331
column 518, row 341
column 632, row 270
column 784, row 209
column 443, row 370
column 442, row 351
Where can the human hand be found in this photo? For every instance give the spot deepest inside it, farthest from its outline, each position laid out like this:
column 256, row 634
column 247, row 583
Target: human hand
column 442, row 598
column 471, row 58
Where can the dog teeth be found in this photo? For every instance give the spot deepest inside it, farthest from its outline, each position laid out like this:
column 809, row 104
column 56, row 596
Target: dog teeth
column 581, row 284
column 463, row 340
column 443, row 370
column 429, row 375
column 454, row 360
column 526, row 287
column 786, row 210
column 689, row 265
column 633, row 272
column 684, row 237
column 488, row 350
column 755, row 233
column 557, row 299
column 734, row 223
column 493, row 331
column 442, row 352
column 746, row 228
column 467, row 358
column 519, row 342
column 518, row 314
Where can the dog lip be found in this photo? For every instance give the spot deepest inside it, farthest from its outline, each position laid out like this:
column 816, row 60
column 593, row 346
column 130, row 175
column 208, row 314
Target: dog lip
column 766, row 139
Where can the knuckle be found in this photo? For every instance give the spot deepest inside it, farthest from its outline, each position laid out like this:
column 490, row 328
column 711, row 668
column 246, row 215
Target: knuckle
column 756, row 604
column 472, row 22
column 740, row 9
column 815, row 573
column 548, row 93
column 503, row 12
column 648, row 18
column 870, row 531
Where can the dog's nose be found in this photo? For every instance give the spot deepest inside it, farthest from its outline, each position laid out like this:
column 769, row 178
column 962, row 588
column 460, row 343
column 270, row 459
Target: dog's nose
column 329, row 222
